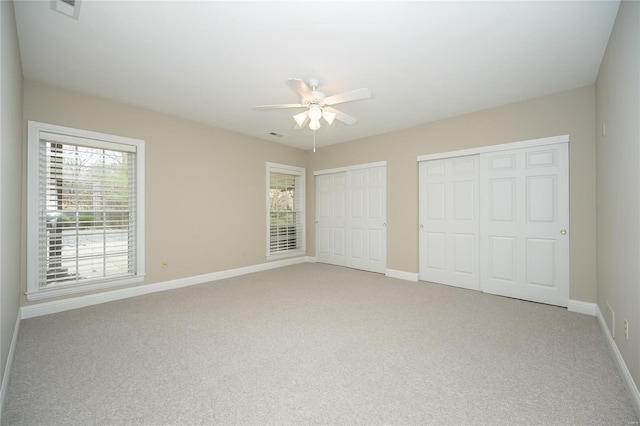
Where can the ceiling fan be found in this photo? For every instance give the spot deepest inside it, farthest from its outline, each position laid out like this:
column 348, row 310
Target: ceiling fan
column 317, row 104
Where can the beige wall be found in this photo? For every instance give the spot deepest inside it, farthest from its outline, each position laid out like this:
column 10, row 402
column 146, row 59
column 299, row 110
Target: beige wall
column 571, row 112
column 618, row 156
column 205, row 187
column 10, row 177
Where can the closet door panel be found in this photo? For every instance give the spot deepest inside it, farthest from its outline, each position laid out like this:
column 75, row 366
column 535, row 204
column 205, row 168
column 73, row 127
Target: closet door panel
column 448, row 214
column 525, row 222
column 366, row 192
column 331, row 218
column 350, row 218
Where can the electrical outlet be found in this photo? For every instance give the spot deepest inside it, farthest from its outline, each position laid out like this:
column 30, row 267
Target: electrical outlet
column 165, row 263
column 626, row 329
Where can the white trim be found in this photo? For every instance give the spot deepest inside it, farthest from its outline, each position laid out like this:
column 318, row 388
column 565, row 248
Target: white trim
column 295, row 171
column 285, row 168
column 47, row 293
column 284, row 255
column 350, row 168
column 141, row 160
column 55, row 306
column 9, row 365
column 94, row 143
column 86, row 134
column 34, row 132
column 622, row 367
column 582, row 307
column 402, row 275
column 495, row 148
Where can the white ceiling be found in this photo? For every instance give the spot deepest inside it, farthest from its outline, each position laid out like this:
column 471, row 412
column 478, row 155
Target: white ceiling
column 213, row 61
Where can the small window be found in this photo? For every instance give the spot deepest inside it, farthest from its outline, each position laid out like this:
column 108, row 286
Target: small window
column 285, row 210
column 86, row 211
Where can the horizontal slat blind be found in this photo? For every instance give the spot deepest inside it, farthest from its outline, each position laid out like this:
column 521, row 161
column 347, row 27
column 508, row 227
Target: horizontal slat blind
column 286, row 212
column 87, row 225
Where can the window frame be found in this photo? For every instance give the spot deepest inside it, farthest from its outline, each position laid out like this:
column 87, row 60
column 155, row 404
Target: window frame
column 300, row 172
column 93, row 139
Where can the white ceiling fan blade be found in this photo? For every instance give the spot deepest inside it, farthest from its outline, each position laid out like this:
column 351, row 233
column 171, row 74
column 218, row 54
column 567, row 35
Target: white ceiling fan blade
column 278, row 106
column 301, row 88
column 341, row 116
column 353, row 95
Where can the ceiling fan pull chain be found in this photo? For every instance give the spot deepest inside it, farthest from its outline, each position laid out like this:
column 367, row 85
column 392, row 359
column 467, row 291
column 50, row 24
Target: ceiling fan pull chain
column 314, row 141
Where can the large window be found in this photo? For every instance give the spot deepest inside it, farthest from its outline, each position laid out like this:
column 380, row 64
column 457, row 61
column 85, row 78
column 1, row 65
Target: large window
column 285, row 210
column 86, row 210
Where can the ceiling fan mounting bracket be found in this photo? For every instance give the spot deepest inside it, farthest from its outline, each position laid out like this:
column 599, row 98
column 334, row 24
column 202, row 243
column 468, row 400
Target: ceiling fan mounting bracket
column 314, row 83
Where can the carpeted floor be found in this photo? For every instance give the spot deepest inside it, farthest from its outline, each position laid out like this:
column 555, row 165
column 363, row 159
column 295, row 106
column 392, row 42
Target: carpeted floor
column 315, row 344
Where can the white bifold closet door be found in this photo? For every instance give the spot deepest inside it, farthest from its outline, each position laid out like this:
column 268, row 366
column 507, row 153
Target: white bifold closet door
column 498, row 222
column 524, row 224
column 351, row 218
column 331, row 218
column 449, row 223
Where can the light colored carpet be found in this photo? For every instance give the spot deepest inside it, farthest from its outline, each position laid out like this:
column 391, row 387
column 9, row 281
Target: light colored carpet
column 315, row 344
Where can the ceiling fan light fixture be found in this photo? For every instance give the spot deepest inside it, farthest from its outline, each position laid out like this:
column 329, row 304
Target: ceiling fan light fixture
column 314, row 124
column 329, row 117
column 314, row 103
column 315, row 112
column 300, row 118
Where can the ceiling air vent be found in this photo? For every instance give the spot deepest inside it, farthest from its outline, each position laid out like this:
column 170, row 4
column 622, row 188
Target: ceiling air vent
column 67, row 7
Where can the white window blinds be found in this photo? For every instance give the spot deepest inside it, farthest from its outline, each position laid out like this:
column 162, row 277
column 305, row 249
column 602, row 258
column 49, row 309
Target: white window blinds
column 286, row 210
column 87, row 211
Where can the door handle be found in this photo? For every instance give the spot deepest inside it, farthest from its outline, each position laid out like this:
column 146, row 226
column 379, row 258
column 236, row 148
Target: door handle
column 384, row 224
column 563, row 232
column 421, row 226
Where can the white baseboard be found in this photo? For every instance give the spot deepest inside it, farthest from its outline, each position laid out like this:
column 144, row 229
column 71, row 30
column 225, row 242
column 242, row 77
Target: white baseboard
column 582, row 307
column 55, row 306
column 9, row 365
column 402, row 275
column 622, row 366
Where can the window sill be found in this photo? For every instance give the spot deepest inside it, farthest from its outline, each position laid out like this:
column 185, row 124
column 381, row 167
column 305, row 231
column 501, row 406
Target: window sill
column 49, row 293
column 286, row 255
